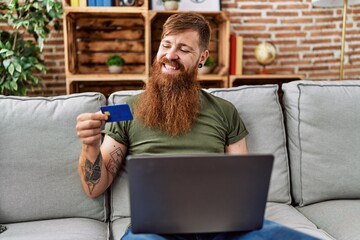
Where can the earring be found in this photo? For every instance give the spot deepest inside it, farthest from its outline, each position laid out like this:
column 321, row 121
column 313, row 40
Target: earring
column 200, row 65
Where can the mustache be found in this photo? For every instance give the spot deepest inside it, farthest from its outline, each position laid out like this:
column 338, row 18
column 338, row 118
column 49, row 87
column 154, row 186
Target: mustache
column 174, row 63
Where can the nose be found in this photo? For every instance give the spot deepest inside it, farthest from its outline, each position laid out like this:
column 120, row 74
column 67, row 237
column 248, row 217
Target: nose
column 171, row 54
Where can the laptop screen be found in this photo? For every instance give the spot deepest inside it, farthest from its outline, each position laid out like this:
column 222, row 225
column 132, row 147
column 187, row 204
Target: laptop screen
column 198, row 194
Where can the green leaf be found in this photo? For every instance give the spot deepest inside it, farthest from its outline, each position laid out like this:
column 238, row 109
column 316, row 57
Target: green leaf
column 26, row 66
column 35, row 80
column 23, row 75
column 23, row 91
column 18, row 67
column 11, row 69
column 41, row 44
column 8, row 45
column 6, row 63
column 40, row 67
column 9, row 53
column 13, row 85
column 6, row 85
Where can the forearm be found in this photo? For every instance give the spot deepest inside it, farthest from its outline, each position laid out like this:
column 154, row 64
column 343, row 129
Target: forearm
column 92, row 171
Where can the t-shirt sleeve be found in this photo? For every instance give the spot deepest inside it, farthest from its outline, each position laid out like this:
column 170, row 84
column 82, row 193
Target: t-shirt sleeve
column 116, row 130
column 237, row 129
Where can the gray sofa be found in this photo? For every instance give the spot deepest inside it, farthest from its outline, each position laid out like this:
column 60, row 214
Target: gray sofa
column 315, row 181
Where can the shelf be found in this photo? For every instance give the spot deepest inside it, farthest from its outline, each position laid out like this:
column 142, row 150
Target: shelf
column 256, row 79
column 114, row 9
column 92, row 34
column 107, row 87
column 259, row 79
column 74, row 79
column 91, row 37
column 140, row 5
column 212, row 78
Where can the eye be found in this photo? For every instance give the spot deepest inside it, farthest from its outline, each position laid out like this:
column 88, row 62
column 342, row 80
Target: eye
column 184, row 50
column 165, row 45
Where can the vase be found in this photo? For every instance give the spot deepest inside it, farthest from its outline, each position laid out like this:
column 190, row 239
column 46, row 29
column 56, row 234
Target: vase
column 171, row 5
column 115, row 69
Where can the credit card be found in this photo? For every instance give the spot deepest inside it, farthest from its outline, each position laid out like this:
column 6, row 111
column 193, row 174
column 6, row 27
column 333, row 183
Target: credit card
column 117, row 113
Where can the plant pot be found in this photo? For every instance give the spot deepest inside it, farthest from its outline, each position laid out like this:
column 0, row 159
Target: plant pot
column 171, row 5
column 115, row 69
column 204, row 70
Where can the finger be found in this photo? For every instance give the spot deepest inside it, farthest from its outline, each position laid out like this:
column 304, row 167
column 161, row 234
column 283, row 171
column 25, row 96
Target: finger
column 89, row 133
column 92, row 116
column 89, row 123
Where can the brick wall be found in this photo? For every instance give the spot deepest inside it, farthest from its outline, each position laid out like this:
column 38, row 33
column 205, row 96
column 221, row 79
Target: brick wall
column 308, row 40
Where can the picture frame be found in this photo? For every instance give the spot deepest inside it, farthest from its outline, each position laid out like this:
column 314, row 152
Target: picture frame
column 191, row 5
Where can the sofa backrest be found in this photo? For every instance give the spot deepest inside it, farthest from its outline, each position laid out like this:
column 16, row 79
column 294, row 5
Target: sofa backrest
column 323, row 125
column 261, row 112
column 39, row 152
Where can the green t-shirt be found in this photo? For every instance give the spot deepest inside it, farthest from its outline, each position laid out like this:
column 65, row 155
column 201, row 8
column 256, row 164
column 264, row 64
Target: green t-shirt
column 218, row 124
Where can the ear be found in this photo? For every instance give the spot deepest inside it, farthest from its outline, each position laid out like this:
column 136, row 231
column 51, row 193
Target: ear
column 204, row 56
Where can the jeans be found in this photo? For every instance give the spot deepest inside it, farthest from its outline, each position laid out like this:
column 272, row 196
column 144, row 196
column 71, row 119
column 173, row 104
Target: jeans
column 270, row 230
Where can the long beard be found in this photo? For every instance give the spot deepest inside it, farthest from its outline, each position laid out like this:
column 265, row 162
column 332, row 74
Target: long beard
column 170, row 102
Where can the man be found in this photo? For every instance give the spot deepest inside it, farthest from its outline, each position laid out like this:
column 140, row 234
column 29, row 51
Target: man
column 172, row 115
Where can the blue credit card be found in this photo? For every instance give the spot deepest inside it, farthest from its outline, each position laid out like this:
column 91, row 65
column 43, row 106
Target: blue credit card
column 117, row 113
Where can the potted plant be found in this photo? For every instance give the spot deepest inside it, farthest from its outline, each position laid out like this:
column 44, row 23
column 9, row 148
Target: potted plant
column 171, row 4
column 22, row 42
column 208, row 65
column 115, row 63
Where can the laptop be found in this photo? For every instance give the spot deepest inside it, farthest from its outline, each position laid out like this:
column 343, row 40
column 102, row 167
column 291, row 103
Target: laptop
column 181, row 194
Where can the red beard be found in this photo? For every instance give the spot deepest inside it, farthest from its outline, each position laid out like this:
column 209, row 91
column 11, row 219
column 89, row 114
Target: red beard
column 170, row 102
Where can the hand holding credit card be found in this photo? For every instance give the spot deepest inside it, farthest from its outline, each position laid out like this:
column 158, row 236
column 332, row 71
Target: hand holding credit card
column 117, row 113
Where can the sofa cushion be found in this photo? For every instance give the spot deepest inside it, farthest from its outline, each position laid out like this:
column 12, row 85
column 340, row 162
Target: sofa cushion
column 118, row 228
column 278, row 212
column 260, row 109
column 340, row 218
column 261, row 112
column 39, row 152
column 323, row 122
column 57, row 229
column 290, row 217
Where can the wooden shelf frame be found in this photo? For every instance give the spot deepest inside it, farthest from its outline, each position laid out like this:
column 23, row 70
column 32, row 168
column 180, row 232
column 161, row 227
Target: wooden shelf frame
column 76, row 72
column 263, row 79
column 72, row 56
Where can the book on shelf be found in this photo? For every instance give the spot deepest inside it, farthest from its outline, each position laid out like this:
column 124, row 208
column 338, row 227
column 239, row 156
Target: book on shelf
column 232, row 54
column 99, row 3
column 91, row 3
column 82, row 3
column 239, row 55
column 236, row 54
column 74, row 3
column 107, row 3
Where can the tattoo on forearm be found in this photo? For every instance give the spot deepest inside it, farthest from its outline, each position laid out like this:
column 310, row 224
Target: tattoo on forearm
column 92, row 172
column 115, row 162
